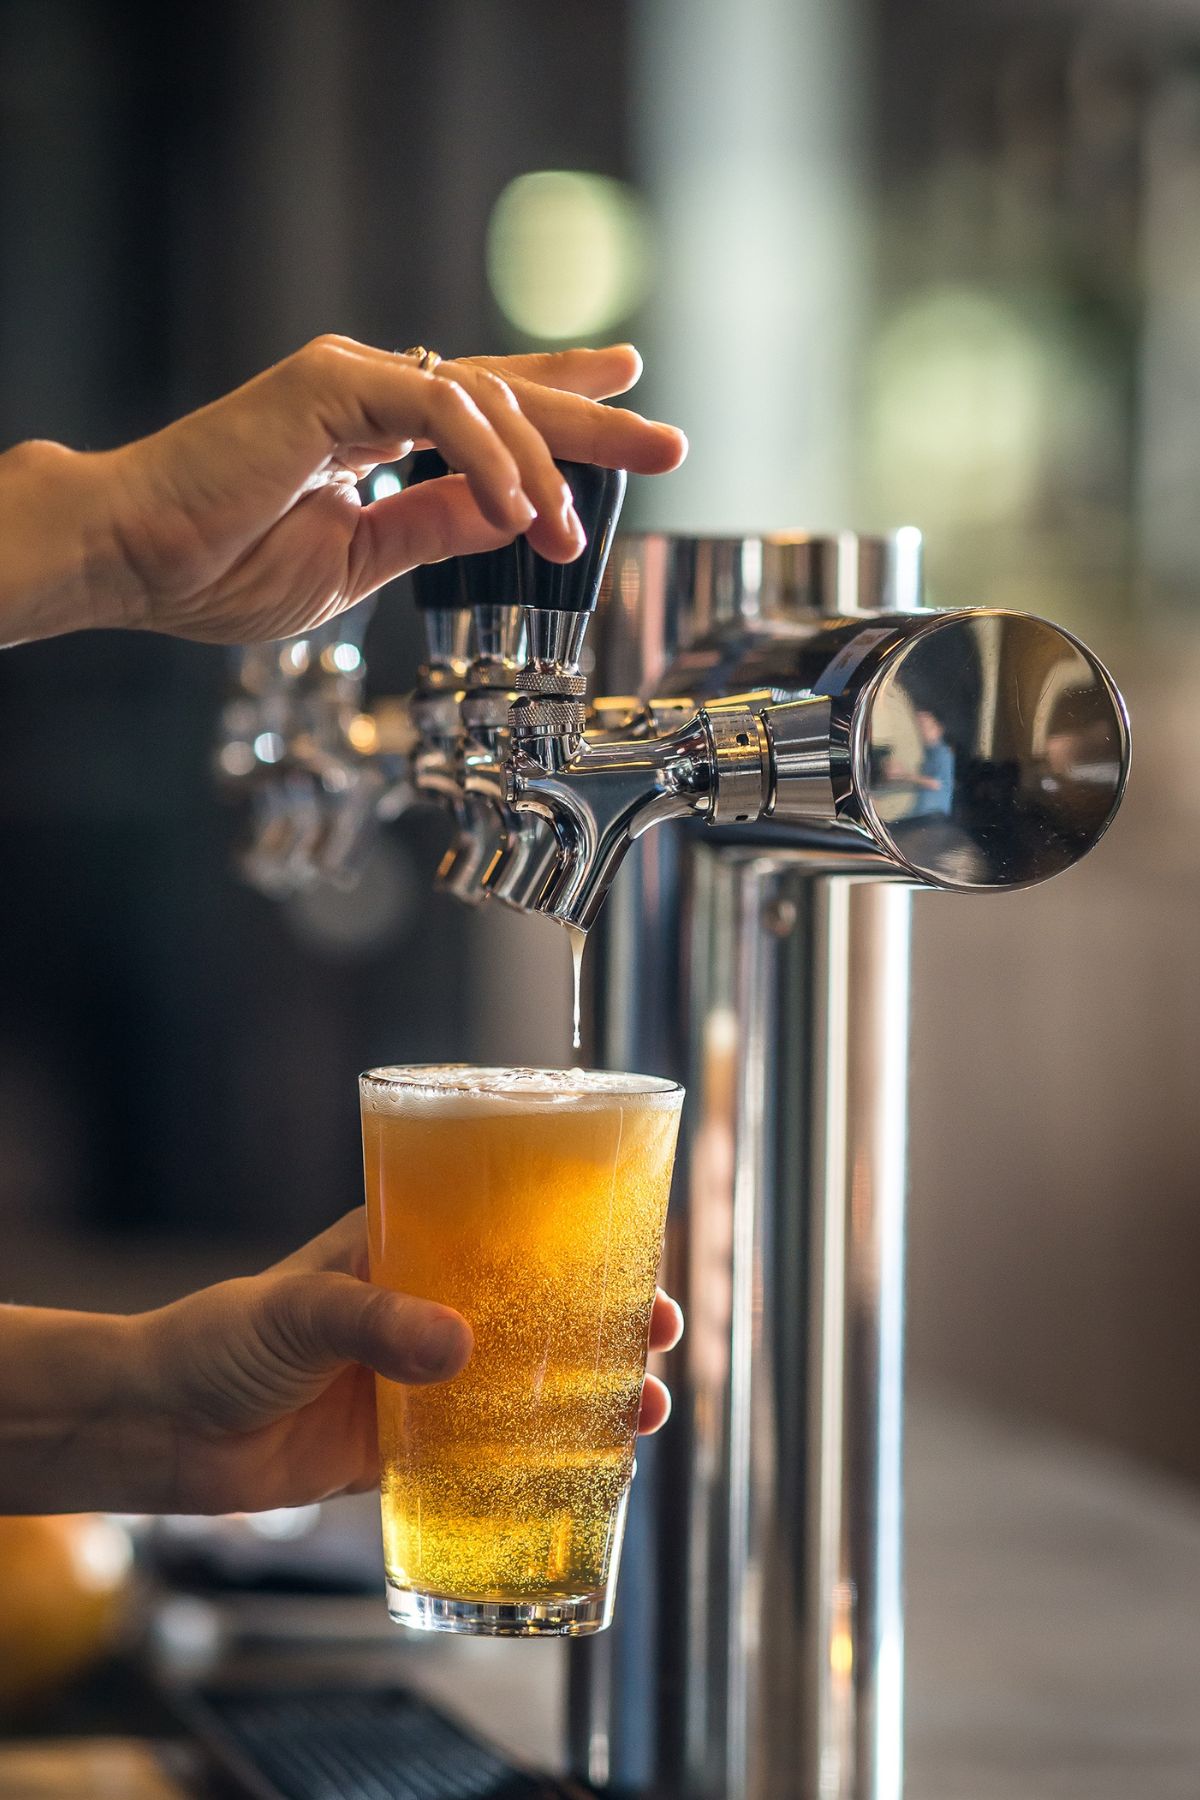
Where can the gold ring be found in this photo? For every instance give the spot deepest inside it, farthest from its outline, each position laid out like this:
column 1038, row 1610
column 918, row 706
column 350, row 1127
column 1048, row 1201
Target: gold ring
column 424, row 359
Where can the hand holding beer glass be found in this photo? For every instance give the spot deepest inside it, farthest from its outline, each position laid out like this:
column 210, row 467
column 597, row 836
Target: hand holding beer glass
column 534, row 1203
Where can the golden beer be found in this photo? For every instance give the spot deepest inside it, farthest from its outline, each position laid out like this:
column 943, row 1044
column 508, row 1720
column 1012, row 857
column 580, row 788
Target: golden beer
column 533, row 1202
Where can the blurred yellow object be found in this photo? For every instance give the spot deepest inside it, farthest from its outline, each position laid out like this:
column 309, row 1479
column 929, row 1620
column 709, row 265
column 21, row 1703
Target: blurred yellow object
column 568, row 253
column 85, row 1769
column 62, row 1582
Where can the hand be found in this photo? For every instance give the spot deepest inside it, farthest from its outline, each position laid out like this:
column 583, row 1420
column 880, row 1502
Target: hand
column 269, row 1383
column 252, row 1394
column 241, row 522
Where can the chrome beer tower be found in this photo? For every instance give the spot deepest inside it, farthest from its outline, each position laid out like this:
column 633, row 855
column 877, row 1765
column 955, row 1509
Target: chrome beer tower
column 824, row 745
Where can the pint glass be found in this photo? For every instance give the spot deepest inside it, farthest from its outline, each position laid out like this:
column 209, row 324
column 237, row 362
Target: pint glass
column 533, row 1202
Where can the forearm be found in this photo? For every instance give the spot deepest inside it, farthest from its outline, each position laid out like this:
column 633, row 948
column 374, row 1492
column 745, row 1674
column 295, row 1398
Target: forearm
column 57, row 561
column 78, row 1430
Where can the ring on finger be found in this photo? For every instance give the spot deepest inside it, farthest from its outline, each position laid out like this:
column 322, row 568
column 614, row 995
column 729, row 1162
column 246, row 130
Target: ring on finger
column 424, row 359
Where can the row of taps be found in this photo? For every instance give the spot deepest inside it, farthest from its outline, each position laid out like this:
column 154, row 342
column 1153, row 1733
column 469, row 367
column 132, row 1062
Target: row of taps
column 545, row 793
column 794, row 725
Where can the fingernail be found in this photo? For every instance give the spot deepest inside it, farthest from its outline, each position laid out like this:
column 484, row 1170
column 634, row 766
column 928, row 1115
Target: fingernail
column 438, row 1350
column 521, row 508
column 572, row 526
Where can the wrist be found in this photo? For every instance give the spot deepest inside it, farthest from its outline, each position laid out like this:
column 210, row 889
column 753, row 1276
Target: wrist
column 60, row 569
column 80, row 1427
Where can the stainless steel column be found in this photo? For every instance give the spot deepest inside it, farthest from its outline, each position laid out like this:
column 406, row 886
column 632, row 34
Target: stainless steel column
column 859, row 1077
column 757, row 1651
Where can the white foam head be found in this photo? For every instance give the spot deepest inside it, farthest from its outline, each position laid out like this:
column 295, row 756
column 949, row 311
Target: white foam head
column 448, row 1086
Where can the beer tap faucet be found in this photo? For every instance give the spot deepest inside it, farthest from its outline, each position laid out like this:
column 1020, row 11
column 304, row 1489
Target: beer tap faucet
column 821, row 727
column 547, row 716
column 489, row 583
column 315, row 768
column 435, row 703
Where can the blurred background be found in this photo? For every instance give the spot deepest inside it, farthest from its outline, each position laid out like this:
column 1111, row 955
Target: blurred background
column 888, row 262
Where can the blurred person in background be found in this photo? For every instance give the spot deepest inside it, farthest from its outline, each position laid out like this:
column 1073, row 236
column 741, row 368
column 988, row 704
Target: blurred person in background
column 243, row 522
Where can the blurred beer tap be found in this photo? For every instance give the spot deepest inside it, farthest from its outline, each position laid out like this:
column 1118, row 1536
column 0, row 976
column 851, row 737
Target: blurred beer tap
column 548, row 714
column 489, row 583
column 435, row 703
column 320, row 770
column 295, row 741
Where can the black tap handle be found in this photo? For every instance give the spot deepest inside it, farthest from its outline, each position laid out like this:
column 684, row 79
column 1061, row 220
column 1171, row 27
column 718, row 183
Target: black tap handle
column 436, row 586
column 490, row 577
column 575, row 586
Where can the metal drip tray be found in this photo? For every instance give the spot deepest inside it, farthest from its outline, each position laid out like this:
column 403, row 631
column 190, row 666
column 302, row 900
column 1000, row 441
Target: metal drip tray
column 354, row 1744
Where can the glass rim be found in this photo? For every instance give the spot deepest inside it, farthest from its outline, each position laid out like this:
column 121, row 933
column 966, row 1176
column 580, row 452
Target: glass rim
column 420, row 1079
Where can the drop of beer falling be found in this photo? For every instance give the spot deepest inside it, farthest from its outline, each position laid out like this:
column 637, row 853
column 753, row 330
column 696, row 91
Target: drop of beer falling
column 578, row 940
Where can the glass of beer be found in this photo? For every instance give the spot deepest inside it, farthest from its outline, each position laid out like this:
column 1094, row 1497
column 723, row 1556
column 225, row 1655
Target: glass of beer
column 533, row 1201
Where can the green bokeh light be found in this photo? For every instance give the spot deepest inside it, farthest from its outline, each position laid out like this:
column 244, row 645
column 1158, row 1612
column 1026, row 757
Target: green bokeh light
column 568, row 253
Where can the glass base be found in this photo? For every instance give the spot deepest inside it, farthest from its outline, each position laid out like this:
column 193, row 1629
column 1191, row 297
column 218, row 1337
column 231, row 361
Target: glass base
column 557, row 1615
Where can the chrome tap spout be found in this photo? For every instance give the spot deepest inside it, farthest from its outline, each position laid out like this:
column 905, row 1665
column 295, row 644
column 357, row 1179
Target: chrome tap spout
column 484, row 820
column 599, row 796
column 972, row 751
column 482, row 810
column 600, row 800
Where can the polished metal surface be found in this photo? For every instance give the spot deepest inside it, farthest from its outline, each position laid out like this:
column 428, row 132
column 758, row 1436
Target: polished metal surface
column 663, row 590
column 601, row 800
column 499, row 640
column 990, row 750
column 447, row 638
column 527, row 863
column 761, row 1657
column 740, row 753
column 801, row 735
column 555, row 639
column 485, row 825
column 476, row 843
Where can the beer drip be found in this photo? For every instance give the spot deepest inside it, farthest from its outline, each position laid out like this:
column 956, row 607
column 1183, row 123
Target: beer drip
column 578, row 940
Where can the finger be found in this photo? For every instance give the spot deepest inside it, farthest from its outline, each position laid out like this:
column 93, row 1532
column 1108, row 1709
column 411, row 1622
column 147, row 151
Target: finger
column 656, row 1406
column 422, row 524
column 666, row 1322
column 317, row 1322
column 598, row 374
column 583, row 431
column 362, row 396
column 362, row 459
column 557, row 532
column 343, row 1247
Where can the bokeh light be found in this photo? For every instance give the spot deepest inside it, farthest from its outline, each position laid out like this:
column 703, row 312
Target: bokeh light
column 568, row 253
column 385, row 482
column 960, row 394
column 980, row 401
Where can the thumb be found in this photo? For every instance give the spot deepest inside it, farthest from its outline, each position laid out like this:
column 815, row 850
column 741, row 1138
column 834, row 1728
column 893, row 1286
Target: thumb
column 421, row 524
column 330, row 1319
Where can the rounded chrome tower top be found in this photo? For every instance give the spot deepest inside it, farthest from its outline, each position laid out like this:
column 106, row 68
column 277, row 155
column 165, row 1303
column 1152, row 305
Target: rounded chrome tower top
column 662, row 591
column 784, row 574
